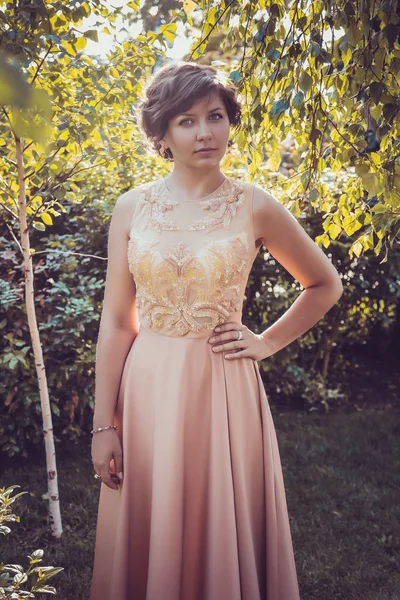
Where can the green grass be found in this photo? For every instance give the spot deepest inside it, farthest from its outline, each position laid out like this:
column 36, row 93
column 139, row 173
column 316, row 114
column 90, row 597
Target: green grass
column 342, row 479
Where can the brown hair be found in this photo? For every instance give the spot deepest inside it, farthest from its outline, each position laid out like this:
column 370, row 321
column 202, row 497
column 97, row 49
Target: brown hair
column 174, row 89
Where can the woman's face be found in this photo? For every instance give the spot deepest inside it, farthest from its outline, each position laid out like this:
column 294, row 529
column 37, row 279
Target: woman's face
column 207, row 126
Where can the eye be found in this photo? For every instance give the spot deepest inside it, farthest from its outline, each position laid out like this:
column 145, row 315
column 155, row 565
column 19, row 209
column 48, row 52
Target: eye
column 213, row 115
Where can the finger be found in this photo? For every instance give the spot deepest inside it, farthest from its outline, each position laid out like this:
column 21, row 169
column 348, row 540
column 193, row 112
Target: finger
column 240, row 354
column 230, row 336
column 231, row 345
column 228, row 326
column 118, row 464
column 218, row 339
column 107, row 479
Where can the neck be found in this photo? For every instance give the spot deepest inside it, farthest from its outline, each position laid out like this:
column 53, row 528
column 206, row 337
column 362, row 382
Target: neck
column 197, row 184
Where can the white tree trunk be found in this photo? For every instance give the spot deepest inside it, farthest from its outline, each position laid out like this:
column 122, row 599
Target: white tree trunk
column 52, row 481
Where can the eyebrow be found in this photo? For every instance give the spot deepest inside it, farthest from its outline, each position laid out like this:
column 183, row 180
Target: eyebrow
column 193, row 115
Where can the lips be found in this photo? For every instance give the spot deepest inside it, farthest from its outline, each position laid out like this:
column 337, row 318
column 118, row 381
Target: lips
column 205, row 150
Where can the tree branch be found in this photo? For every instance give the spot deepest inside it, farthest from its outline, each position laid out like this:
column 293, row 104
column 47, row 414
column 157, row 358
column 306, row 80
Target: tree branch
column 213, row 27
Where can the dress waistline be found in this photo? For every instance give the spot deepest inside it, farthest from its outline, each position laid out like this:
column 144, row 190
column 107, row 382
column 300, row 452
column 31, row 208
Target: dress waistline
column 203, row 333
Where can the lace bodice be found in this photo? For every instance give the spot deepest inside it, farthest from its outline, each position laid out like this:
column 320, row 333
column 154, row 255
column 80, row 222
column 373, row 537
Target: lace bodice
column 191, row 259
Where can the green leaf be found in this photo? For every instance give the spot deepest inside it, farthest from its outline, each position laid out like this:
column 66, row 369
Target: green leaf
column 357, row 248
column 38, row 225
column 346, row 55
column 371, row 183
column 55, row 409
column 14, row 89
column 273, row 54
column 92, row 34
column 315, row 49
column 46, row 218
column 169, row 32
column 334, row 230
column 351, row 224
column 80, row 43
column 274, row 160
column 278, row 107
column 361, row 168
column 298, row 100
column 235, row 76
column 335, row 136
column 379, row 208
column 69, row 47
column 305, row 81
column 13, row 362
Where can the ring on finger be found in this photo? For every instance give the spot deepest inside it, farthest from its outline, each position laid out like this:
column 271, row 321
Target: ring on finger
column 240, row 336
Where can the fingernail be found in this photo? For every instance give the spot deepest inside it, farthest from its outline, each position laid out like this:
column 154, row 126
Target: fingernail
column 211, row 339
column 120, row 475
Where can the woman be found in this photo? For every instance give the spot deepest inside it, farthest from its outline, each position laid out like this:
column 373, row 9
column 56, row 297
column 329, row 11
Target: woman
column 192, row 502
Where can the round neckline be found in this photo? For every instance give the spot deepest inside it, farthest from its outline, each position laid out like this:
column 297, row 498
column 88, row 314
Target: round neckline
column 166, row 189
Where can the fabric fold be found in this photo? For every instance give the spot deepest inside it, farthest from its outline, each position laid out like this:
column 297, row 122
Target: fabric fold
column 201, row 513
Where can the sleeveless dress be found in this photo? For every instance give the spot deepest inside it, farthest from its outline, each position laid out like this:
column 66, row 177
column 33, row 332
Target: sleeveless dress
column 201, row 513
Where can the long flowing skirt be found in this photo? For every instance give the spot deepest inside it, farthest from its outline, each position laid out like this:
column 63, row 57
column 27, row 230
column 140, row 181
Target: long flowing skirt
column 201, row 513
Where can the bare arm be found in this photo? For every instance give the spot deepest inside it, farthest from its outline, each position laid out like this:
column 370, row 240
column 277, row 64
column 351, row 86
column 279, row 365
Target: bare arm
column 119, row 322
column 292, row 247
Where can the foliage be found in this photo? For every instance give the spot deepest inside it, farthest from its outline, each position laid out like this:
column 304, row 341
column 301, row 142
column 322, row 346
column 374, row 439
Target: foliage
column 69, row 275
column 312, row 370
column 336, row 94
column 68, row 295
column 68, row 104
column 83, row 147
column 13, row 576
column 326, row 74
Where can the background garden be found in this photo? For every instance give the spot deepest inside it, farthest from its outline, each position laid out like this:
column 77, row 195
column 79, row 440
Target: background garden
column 320, row 130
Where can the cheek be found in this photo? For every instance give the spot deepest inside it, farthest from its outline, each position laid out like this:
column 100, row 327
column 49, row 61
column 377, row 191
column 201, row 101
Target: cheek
column 184, row 137
column 223, row 131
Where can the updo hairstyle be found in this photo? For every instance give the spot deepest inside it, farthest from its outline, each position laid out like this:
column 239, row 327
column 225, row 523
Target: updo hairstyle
column 174, row 89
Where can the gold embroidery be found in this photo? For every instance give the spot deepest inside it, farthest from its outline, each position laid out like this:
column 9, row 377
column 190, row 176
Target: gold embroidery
column 224, row 205
column 155, row 207
column 182, row 292
column 228, row 262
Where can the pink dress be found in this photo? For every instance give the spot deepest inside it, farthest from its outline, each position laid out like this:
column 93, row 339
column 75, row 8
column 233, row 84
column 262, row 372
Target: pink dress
column 201, row 513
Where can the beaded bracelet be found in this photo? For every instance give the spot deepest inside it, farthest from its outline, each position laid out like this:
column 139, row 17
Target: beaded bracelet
column 104, row 428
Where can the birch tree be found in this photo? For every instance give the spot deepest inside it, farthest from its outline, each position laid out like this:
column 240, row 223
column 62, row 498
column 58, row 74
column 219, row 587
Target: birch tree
column 63, row 114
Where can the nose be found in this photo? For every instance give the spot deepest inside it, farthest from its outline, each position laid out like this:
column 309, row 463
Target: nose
column 203, row 132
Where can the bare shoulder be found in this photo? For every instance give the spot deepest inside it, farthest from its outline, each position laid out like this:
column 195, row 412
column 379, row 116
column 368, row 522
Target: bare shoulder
column 289, row 243
column 263, row 201
column 125, row 204
column 267, row 211
column 128, row 198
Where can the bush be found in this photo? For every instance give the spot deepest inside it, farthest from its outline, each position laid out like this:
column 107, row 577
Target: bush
column 13, row 576
column 310, row 373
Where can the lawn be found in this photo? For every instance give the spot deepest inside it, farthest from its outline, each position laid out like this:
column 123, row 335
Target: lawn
column 343, row 489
